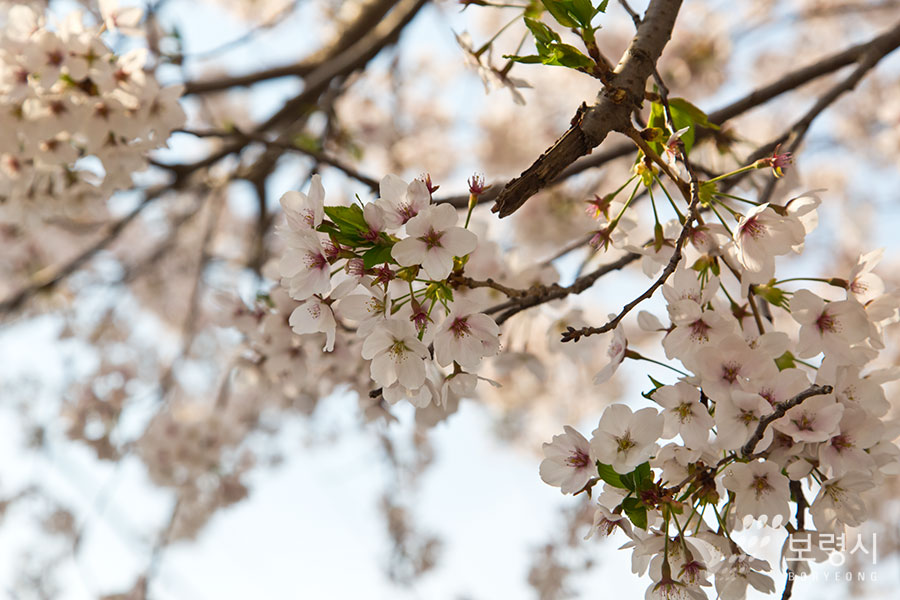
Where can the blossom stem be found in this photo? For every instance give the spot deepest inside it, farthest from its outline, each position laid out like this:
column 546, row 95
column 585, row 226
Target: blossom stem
column 634, row 355
column 732, row 173
column 669, row 196
column 734, row 213
column 819, row 279
column 721, row 220
column 738, row 198
column 653, row 204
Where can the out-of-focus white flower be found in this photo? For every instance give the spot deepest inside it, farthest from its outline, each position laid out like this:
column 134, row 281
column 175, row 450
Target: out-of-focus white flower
column 305, row 211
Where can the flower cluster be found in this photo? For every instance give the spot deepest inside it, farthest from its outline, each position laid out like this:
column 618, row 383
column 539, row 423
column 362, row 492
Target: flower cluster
column 776, row 402
column 81, row 118
column 383, row 272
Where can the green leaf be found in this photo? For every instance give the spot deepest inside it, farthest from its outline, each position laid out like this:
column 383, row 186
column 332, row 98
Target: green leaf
column 377, row 255
column 551, row 49
column 570, row 56
column 609, row 475
column 635, row 512
column 684, row 114
column 583, row 11
column 560, row 11
column 640, row 479
column 697, row 116
column 349, row 219
column 531, row 59
column 785, row 361
column 541, row 32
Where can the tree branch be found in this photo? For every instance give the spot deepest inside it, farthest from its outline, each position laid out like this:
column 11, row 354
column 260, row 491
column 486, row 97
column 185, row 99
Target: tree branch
column 780, row 410
column 369, row 16
column 543, row 294
column 610, row 112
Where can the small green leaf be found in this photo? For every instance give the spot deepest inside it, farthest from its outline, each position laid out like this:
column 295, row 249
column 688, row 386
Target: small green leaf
column 349, row 219
column 640, row 479
column 785, row 361
column 377, row 255
column 697, row 116
column 531, row 59
column 560, row 12
column 541, row 32
column 635, row 512
column 608, row 474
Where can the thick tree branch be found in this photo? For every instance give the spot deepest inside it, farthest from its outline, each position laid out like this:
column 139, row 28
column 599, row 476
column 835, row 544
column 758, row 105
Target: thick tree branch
column 611, row 111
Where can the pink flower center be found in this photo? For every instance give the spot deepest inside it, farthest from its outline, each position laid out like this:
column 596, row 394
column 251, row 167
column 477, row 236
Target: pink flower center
column 700, row 331
column 841, row 442
column 316, row 260
column 406, row 212
column 804, row 423
column 578, row 459
column 730, row 372
column 760, row 485
column 753, row 228
column 460, row 327
column 826, row 322
column 432, row 239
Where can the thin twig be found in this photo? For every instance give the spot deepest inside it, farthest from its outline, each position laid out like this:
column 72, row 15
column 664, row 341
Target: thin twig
column 780, row 409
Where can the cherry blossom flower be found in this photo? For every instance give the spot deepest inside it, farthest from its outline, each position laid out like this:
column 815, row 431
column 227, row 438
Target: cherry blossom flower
column 763, row 234
column 839, row 503
column 315, row 315
column 618, row 345
column 567, row 464
column 737, row 416
column 304, row 267
column 396, row 353
column 302, row 211
column 736, row 572
column 366, row 309
column 760, row 491
column 684, row 414
column 400, row 202
column 123, row 20
column 846, row 450
column 606, row 521
column 624, row 439
column 730, row 365
column 828, row 327
column 465, row 336
column 863, row 284
column 433, row 241
column 815, row 420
